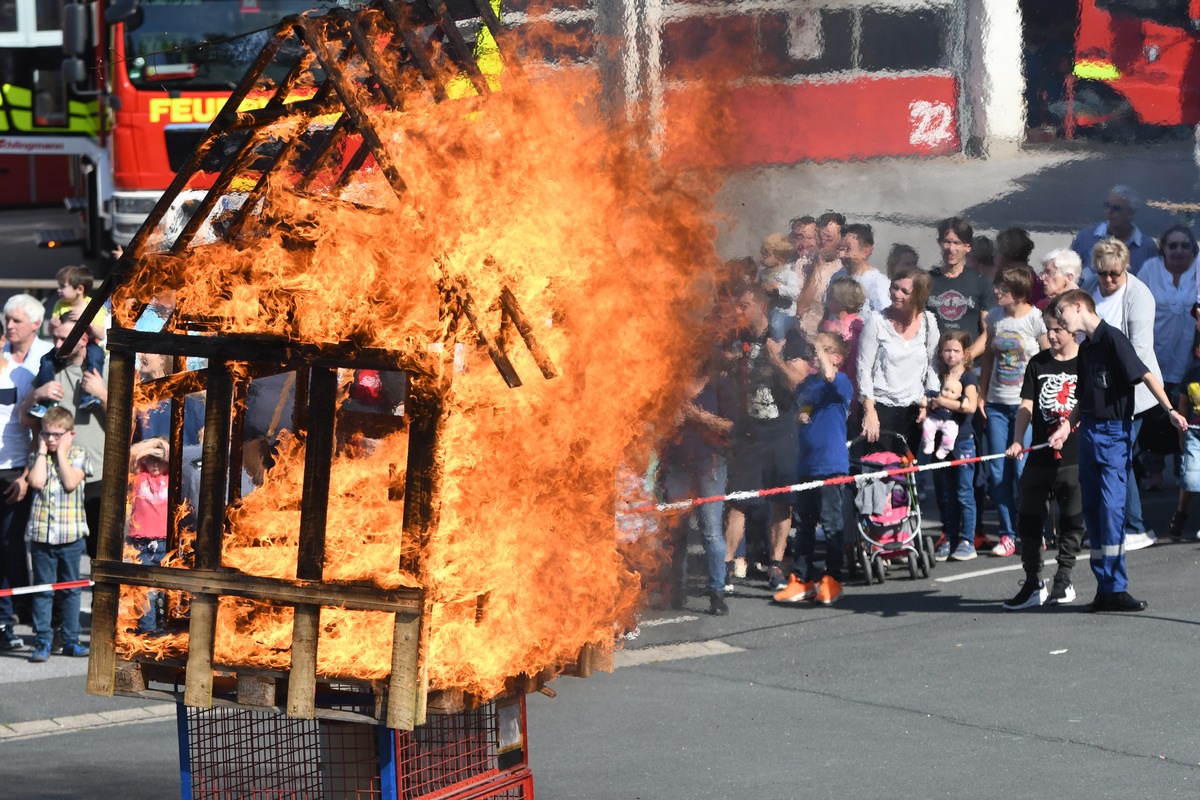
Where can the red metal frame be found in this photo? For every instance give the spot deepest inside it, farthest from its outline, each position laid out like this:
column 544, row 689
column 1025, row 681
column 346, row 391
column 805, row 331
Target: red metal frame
column 478, row 754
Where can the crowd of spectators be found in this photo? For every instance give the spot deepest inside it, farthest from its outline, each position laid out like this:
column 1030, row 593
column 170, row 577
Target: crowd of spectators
column 984, row 353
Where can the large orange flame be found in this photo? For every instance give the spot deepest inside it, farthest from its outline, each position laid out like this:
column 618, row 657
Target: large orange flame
column 609, row 254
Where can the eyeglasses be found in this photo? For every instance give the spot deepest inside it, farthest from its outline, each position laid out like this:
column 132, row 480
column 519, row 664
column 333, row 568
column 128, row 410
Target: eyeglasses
column 1117, row 207
column 1178, row 245
column 50, row 434
column 1001, row 290
column 1110, row 273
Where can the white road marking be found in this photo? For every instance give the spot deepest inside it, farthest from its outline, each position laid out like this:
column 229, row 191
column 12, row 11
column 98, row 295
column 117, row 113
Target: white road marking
column 673, row 652
column 993, row 571
column 650, row 623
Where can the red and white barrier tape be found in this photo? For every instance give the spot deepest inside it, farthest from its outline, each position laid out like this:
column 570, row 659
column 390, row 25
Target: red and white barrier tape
column 684, row 505
column 46, row 587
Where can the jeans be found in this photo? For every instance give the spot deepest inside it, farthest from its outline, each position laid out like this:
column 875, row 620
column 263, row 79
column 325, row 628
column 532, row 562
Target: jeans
column 1104, row 456
column 56, row 563
column 1004, row 474
column 1133, row 497
column 954, row 488
column 705, row 479
column 779, row 323
column 826, row 505
column 150, row 552
column 13, row 571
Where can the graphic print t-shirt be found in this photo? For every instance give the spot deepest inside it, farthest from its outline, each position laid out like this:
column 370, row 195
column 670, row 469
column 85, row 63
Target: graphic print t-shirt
column 1191, row 387
column 1051, row 385
column 1014, row 342
column 959, row 302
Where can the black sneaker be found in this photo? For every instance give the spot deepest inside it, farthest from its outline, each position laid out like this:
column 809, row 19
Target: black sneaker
column 1033, row 593
column 1117, row 601
column 1175, row 526
column 776, row 579
column 1062, row 593
column 56, row 644
column 716, row 604
column 9, row 641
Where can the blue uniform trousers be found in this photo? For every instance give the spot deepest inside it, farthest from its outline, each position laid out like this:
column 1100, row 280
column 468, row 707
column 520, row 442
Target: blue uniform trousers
column 1105, row 452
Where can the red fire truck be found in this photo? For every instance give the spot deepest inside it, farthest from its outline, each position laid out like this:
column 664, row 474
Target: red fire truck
column 1137, row 63
column 141, row 81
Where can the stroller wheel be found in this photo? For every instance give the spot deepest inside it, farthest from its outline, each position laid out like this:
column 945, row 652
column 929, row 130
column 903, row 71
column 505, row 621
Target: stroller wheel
column 928, row 548
column 912, row 565
column 864, row 564
column 880, row 570
column 924, row 564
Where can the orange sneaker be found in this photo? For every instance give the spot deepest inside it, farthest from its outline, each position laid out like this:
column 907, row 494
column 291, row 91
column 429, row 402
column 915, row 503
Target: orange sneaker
column 828, row 591
column 795, row 591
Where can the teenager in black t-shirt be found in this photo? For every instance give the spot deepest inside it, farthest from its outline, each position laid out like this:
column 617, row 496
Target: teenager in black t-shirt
column 1048, row 397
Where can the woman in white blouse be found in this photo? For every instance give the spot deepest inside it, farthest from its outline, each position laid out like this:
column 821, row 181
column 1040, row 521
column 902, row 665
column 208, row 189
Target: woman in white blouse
column 895, row 360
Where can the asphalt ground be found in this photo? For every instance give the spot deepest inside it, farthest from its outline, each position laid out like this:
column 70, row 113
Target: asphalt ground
column 909, row 689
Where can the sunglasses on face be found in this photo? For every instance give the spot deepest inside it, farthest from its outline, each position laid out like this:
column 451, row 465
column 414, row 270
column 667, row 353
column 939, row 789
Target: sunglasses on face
column 1117, row 207
column 1178, row 245
column 1110, row 273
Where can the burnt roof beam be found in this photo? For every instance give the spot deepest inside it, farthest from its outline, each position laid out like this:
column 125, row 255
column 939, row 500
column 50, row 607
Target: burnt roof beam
column 318, row 43
column 222, row 121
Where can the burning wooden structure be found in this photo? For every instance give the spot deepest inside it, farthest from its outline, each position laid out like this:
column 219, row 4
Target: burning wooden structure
column 305, row 123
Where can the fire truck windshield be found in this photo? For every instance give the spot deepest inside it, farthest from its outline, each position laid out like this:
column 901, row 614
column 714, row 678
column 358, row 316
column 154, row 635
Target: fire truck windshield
column 201, row 44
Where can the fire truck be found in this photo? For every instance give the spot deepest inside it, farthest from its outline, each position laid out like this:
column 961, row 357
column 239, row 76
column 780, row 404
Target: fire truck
column 1137, row 64
column 111, row 96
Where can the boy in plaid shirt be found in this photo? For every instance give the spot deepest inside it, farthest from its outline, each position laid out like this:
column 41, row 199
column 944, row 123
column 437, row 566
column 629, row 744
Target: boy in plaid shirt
column 57, row 528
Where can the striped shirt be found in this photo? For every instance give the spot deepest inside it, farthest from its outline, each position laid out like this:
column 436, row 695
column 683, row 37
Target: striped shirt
column 56, row 516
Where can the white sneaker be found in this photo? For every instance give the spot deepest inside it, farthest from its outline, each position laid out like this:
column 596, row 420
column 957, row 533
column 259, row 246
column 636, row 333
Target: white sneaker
column 1139, row 541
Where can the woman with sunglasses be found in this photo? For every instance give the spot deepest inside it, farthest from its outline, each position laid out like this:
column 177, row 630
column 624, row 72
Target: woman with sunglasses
column 1171, row 279
column 1125, row 303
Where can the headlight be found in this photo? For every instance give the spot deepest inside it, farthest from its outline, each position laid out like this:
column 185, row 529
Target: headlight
column 133, row 205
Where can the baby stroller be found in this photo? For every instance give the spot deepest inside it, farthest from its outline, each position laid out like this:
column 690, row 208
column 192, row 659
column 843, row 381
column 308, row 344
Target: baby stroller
column 887, row 510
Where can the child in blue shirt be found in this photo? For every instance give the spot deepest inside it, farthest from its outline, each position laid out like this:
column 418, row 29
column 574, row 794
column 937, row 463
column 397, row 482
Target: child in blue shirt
column 824, row 402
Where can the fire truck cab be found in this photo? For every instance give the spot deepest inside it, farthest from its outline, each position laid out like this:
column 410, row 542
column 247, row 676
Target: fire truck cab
column 1137, row 63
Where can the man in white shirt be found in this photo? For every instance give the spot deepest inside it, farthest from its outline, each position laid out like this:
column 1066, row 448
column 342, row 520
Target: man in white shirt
column 19, row 361
column 1121, row 206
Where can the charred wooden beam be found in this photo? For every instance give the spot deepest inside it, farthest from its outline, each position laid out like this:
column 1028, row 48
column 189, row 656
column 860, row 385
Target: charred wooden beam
column 512, row 310
column 223, row 119
column 276, row 350
column 498, row 356
column 175, row 461
column 241, row 389
column 218, row 412
column 379, row 71
column 241, row 160
column 464, row 55
column 259, row 118
column 111, row 535
column 317, row 41
column 310, row 560
column 213, row 480
column 275, row 590
column 175, row 385
column 415, row 49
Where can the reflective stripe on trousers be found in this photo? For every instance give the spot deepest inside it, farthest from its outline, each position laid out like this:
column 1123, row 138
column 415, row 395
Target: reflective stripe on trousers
column 1104, row 457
